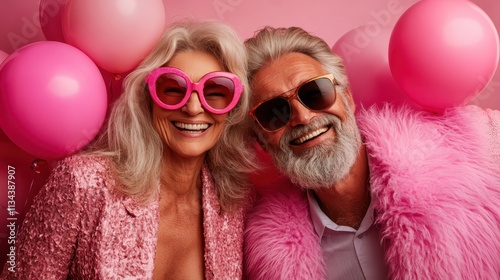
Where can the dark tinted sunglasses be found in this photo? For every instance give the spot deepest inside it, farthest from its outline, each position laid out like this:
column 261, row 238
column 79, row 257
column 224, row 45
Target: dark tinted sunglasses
column 316, row 94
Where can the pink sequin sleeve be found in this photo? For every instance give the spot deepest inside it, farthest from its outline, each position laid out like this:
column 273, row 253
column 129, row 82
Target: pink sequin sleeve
column 47, row 239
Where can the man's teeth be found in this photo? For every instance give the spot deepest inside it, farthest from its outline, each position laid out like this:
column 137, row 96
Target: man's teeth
column 192, row 127
column 310, row 135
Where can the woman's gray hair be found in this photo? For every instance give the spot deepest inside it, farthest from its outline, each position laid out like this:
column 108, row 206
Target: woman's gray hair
column 134, row 145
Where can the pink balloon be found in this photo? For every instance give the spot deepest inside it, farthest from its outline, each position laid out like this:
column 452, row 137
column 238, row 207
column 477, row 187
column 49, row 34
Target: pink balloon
column 116, row 34
column 114, row 85
column 52, row 99
column 364, row 51
column 443, row 53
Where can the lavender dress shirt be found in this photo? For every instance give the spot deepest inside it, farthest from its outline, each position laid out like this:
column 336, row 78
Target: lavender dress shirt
column 349, row 254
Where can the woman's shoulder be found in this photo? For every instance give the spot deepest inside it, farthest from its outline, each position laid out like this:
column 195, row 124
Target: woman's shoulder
column 84, row 171
column 82, row 161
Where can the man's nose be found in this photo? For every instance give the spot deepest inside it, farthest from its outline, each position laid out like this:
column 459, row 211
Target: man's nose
column 300, row 113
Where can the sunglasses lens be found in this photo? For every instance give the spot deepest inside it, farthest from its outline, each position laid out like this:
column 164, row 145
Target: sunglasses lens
column 273, row 114
column 171, row 88
column 218, row 92
column 317, row 94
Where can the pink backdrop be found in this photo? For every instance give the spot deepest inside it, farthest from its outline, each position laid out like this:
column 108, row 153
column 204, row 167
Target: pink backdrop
column 21, row 23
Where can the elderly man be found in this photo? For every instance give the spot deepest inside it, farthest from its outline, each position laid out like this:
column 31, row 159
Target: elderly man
column 386, row 193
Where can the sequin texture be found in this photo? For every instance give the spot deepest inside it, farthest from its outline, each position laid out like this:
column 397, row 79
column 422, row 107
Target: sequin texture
column 80, row 227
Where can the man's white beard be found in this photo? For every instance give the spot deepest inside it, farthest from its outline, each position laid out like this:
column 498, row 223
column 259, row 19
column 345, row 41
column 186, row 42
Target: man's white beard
column 325, row 164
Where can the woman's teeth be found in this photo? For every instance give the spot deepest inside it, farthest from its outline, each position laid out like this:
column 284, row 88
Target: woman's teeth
column 198, row 127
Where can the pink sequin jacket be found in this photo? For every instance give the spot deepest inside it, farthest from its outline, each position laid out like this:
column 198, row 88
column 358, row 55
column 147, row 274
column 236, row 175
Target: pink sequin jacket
column 435, row 182
column 80, row 227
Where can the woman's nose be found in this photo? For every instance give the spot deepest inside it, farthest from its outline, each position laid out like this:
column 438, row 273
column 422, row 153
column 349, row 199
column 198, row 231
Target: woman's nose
column 193, row 105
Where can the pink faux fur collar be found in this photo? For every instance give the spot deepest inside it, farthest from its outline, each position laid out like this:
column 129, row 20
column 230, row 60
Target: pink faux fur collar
column 437, row 193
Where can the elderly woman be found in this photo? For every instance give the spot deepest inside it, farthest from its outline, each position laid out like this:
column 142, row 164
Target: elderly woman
column 160, row 195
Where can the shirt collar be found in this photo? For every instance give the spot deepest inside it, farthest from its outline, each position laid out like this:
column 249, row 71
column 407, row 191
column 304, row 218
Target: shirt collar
column 321, row 221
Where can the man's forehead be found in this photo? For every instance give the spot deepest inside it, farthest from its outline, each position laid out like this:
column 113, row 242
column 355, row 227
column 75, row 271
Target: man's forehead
column 284, row 74
column 267, row 84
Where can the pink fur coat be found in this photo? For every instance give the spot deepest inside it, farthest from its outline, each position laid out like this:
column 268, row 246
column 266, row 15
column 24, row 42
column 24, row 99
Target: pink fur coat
column 436, row 184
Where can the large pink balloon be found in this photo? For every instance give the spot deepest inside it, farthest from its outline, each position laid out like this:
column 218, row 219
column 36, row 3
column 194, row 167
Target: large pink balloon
column 443, row 53
column 52, row 99
column 364, row 51
column 116, row 34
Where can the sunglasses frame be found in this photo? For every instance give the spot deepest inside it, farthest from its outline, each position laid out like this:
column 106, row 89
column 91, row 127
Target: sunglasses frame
column 192, row 86
column 294, row 95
